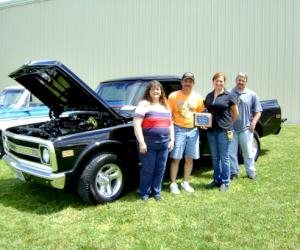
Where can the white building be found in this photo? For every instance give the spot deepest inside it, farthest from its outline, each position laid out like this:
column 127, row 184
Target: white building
column 101, row 40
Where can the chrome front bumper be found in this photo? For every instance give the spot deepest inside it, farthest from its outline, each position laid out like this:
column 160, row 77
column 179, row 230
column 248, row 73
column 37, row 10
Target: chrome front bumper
column 56, row 180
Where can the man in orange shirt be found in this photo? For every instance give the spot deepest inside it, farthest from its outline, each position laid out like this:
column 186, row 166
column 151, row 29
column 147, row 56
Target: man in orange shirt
column 183, row 104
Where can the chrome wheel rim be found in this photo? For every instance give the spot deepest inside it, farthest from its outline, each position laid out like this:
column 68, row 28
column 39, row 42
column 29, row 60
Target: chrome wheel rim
column 108, row 180
column 255, row 147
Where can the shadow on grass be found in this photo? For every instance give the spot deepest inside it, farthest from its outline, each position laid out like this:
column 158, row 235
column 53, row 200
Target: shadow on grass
column 201, row 169
column 35, row 198
column 263, row 152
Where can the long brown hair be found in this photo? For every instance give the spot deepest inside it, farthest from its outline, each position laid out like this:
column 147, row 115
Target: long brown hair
column 162, row 98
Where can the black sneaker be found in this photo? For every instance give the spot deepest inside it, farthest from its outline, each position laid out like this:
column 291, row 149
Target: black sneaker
column 251, row 176
column 224, row 188
column 157, row 197
column 213, row 184
column 144, row 198
column 234, row 177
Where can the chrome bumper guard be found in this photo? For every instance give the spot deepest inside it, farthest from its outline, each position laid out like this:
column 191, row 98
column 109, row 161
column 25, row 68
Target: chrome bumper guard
column 56, row 180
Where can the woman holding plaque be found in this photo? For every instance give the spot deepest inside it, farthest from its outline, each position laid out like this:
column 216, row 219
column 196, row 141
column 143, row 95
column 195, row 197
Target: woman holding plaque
column 222, row 105
column 153, row 129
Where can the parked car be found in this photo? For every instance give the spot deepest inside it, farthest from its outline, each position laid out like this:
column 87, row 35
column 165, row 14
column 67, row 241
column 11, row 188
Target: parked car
column 89, row 141
column 17, row 107
column 13, row 96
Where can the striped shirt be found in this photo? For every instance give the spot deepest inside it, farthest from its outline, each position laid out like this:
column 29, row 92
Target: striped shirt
column 156, row 121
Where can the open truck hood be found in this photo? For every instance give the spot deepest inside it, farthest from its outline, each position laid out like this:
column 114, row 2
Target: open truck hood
column 59, row 88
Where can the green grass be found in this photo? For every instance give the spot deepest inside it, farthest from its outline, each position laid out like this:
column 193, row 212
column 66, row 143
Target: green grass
column 261, row 214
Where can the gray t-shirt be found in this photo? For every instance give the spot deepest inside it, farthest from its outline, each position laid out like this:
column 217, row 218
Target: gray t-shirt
column 248, row 104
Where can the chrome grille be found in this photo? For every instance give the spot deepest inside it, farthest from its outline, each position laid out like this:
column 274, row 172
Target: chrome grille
column 33, row 152
column 28, row 149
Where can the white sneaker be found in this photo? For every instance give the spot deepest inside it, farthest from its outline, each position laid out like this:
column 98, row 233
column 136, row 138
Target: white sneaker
column 186, row 186
column 174, row 188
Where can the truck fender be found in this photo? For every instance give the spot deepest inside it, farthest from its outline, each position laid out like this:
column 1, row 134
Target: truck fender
column 112, row 146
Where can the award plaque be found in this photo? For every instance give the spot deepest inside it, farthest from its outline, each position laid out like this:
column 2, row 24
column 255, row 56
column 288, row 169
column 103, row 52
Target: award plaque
column 203, row 120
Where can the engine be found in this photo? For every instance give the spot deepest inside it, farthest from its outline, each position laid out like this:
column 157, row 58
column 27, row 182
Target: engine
column 67, row 123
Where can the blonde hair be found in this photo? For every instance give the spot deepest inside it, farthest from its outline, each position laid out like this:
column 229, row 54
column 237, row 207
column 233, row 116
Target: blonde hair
column 219, row 74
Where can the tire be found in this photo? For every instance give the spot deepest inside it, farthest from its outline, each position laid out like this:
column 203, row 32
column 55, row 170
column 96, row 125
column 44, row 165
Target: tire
column 1, row 145
column 256, row 148
column 256, row 145
column 102, row 180
column 1, row 150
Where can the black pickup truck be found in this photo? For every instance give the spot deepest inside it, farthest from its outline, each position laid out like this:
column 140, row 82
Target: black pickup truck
column 89, row 141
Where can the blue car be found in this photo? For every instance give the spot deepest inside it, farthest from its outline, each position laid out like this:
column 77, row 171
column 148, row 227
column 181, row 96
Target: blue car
column 18, row 107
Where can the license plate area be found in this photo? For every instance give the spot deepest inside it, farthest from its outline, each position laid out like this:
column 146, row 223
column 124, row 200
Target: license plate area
column 20, row 175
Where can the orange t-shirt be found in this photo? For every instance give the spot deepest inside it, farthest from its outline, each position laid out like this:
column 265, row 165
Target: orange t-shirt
column 184, row 106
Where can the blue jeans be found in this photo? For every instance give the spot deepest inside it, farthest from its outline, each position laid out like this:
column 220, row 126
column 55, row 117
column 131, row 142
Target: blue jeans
column 153, row 168
column 245, row 139
column 186, row 143
column 219, row 149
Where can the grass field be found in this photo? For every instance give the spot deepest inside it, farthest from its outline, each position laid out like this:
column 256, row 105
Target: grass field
column 261, row 214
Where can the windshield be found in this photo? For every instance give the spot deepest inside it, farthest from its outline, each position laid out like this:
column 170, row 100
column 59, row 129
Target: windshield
column 122, row 95
column 10, row 97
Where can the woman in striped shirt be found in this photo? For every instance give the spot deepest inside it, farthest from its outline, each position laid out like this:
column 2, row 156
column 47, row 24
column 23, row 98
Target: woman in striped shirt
column 153, row 129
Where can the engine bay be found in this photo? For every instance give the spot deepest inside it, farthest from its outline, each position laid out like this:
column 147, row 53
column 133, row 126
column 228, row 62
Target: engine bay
column 70, row 122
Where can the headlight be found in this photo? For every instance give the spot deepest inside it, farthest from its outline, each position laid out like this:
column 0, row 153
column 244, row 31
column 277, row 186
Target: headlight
column 45, row 155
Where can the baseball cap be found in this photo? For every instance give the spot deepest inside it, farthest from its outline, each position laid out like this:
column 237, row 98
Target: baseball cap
column 188, row 75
